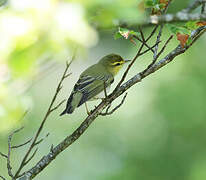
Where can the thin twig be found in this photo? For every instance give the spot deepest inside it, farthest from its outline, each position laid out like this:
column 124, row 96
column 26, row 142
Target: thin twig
column 163, row 48
column 9, row 168
column 152, row 33
column 3, row 155
column 58, row 89
column 145, row 51
column 67, row 75
column 26, row 162
column 2, row 177
column 107, row 112
column 143, row 41
column 58, row 105
column 42, row 139
column 20, row 145
column 157, row 56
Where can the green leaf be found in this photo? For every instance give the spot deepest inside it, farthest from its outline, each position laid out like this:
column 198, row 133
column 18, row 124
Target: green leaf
column 123, row 30
column 191, row 25
column 172, row 28
column 178, row 29
column 189, row 41
column 117, row 35
column 162, row 5
column 134, row 33
column 149, row 3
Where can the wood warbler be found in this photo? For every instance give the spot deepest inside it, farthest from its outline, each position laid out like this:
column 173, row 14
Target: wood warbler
column 93, row 81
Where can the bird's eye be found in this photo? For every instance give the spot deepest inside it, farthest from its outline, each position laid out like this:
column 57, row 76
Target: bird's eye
column 118, row 64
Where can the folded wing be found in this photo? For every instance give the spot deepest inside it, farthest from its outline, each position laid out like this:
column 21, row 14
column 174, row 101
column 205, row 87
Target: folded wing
column 86, row 88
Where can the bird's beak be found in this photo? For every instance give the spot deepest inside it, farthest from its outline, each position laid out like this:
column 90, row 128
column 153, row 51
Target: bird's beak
column 126, row 61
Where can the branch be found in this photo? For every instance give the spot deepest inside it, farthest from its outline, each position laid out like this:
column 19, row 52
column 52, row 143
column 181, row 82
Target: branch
column 47, row 159
column 35, row 141
column 178, row 17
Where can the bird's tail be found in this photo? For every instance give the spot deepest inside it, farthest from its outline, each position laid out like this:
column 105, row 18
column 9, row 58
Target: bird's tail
column 68, row 110
column 72, row 103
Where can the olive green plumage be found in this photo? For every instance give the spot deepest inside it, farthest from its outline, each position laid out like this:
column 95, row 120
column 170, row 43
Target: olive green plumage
column 93, row 81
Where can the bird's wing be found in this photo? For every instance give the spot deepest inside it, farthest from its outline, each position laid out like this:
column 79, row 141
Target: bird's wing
column 90, row 86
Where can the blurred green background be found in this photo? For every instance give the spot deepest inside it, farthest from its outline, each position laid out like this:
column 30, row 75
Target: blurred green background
column 158, row 133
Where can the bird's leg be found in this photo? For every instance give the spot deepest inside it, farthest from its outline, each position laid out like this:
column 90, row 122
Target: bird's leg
column 105, row 90
column 87, row 109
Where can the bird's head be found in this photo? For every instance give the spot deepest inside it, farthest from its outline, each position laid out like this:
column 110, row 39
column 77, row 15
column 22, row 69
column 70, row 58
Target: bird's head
column 113, row 63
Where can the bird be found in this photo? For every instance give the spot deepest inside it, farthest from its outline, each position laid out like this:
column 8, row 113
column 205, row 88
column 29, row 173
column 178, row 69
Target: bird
column 94, row 81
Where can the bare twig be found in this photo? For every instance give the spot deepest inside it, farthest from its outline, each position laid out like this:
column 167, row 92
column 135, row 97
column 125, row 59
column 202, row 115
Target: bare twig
column 42, row 139
column 3, row 155
column 157, row 56
column 20, row 145
column 152, row 33
column 58, row 105
column 107, row 112
column 136, row 37
column 49, row 111
column 2, row 177
column 143, row 41
column 26, row 162
column 9, row 168
column 149, row 49
column 67, row 75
